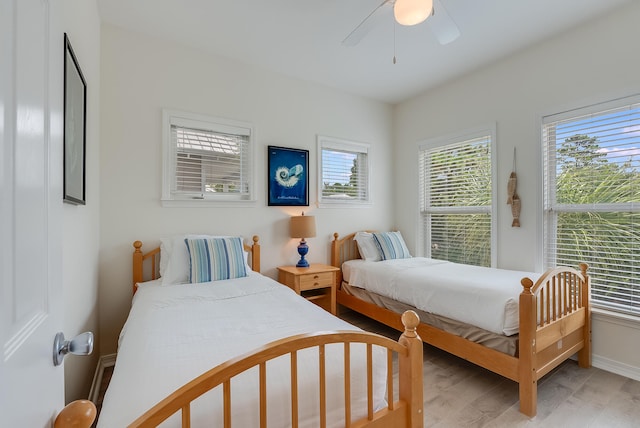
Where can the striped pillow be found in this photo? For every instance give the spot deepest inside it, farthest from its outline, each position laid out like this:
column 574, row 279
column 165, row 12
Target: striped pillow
column 391, row 245
column 213, row 259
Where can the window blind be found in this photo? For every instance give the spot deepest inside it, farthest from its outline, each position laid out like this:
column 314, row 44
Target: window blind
column 344, row 170
column 210, row 163
column 592, row 198
column 455, row 200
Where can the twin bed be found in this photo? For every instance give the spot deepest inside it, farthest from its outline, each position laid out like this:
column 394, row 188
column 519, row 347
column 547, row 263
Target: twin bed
column 480, row 314
column 279, row 360
column 239, row 349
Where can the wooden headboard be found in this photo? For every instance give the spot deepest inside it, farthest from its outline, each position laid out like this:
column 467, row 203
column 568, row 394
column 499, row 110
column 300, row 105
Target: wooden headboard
column 343, row 250
column 152, row 259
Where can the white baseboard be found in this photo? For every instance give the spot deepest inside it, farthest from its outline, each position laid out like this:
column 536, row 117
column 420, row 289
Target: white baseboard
column 103, row 362
column 626, row 328
column 616, row 367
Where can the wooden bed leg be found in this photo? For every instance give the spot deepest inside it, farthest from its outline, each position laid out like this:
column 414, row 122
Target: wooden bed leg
column 528, row 397
column 528, row 378
column 411, row 366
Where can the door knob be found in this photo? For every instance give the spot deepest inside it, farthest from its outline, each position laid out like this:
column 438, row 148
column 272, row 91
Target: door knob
column 82, row 344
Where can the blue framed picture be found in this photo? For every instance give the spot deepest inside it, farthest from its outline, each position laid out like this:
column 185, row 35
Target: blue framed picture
column 288, row 176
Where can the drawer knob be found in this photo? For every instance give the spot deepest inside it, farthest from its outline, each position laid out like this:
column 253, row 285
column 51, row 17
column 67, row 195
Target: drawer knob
column 316, row 276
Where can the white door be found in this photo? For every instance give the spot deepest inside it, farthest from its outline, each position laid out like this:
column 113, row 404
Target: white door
column 31, row 70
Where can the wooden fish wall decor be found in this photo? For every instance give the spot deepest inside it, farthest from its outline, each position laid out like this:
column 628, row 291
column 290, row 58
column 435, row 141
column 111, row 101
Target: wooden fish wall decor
column 512, row 197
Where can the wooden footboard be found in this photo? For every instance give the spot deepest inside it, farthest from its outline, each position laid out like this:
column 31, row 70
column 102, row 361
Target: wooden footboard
column 555, row 323
column 405, row 404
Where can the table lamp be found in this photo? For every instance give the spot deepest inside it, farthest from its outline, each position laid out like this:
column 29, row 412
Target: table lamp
column 302, row 226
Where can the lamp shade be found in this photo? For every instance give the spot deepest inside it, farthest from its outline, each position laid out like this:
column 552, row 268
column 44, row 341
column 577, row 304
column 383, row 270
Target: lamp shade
column 302, row 226
column 412, row 12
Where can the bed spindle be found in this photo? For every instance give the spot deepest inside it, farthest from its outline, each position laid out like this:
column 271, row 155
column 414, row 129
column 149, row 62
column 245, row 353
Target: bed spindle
column 369, row 381
column 186, row 416
column 263, row 395
column 294, row 389
column 390, row 399
column 347, row 385
column 226, row 392
column 323, row 387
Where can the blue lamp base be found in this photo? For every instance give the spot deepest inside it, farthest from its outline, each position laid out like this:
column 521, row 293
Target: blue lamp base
column 303, row 249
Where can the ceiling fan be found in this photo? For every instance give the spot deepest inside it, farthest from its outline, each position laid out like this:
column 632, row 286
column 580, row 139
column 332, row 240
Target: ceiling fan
column 409, row 12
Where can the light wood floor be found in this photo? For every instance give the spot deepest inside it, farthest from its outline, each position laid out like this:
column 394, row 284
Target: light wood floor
column 460, row 394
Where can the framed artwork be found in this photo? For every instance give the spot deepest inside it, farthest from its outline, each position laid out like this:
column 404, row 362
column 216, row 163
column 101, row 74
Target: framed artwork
column 75, row 128
column 288, row 176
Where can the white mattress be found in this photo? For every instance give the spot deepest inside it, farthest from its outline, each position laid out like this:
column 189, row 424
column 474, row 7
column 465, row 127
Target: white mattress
column 484, row 297
column 174, row 333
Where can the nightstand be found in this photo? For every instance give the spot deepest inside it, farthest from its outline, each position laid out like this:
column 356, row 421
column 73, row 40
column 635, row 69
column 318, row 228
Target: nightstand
column 316, row 283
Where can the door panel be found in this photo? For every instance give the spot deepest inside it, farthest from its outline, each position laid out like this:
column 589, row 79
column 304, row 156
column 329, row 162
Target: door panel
column 30, row 236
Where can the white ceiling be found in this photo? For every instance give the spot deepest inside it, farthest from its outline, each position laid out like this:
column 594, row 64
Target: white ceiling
column 302, row 38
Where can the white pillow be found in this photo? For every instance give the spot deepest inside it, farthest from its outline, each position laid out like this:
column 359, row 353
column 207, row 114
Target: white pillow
column 174, row 258
column 367, row 246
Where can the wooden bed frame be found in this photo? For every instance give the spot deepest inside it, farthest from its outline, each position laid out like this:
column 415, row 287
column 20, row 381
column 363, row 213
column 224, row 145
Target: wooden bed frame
column 405, row 404
column 542, row 345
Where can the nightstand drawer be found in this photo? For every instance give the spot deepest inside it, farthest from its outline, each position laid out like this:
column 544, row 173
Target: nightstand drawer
column 316, row 280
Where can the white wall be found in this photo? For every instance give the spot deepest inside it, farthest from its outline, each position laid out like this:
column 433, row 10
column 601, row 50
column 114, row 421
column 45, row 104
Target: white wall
column 595, row 62
column 143, row 75
column 81, row 241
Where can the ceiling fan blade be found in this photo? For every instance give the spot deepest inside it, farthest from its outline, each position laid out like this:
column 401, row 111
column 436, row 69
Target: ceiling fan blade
column 441, row 24
column 367, row 24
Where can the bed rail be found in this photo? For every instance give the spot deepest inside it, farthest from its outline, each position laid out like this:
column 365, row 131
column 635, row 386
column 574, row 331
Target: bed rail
column 405, row 411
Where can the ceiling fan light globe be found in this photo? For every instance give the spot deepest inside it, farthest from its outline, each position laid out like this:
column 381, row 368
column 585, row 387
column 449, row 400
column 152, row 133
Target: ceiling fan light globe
column 412, row 12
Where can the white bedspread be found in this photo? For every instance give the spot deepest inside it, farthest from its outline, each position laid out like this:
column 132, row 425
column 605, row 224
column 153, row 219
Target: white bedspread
column 174, row 333
column 480, row 296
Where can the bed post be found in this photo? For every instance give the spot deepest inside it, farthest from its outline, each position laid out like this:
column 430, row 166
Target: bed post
column 255, row 254
column 335, row 257
column 137, row 264
column 528, row 379
column 411, row 366
column 335, row 251
column 584, row 355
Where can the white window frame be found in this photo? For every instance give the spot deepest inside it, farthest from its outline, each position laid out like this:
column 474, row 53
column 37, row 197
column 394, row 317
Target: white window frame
column 551, row 208
column 208, row 123
column 331, row 143
column 424, row 237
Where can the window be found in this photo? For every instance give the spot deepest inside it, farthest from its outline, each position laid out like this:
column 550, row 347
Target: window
column 592, row 198
column 206, row 159
column 456, row 198
column 344, row 172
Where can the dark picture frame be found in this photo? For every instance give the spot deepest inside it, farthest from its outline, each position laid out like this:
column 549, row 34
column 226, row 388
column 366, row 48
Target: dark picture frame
column 75, row 128
column 288, row 179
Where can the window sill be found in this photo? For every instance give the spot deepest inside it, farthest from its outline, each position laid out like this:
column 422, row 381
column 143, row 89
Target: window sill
column 205, row 203
column 611, row 317
column 344, row 204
